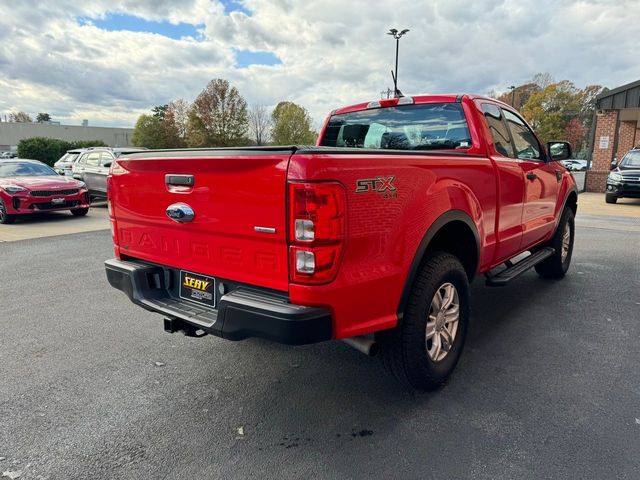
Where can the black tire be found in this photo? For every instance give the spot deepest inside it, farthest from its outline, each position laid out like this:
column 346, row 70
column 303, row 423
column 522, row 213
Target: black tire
column 555, row 266
column 610, row 198
column 404, row 349
column 5, row 218
column 79, row 212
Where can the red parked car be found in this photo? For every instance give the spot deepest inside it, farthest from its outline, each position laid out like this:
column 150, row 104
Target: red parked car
column 371, row 237
column 29, row 186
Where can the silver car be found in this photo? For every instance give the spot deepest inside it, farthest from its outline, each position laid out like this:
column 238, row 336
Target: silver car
column 92, row 167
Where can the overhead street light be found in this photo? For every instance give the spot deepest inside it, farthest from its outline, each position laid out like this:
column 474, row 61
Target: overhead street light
column 396, row 35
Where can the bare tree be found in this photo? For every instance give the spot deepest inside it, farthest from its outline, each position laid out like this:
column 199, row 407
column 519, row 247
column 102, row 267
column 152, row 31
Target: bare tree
column 259, row 124
column 542, row 80
column 176, row 118
column 20, row 117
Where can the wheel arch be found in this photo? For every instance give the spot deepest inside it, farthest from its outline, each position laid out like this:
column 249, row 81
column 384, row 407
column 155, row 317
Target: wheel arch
column 453, row 232
column 571, row 200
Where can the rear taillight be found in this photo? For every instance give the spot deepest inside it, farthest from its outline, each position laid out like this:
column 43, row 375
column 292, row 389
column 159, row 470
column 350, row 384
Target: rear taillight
column 317, row 227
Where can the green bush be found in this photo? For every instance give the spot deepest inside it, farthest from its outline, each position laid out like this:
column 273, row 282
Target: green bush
column 49, row 150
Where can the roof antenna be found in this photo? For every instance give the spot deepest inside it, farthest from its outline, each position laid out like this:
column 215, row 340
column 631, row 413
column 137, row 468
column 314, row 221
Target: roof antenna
column 397, row 93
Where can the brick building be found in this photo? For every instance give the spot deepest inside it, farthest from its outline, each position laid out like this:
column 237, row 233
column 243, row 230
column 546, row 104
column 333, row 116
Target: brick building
column 617, row 131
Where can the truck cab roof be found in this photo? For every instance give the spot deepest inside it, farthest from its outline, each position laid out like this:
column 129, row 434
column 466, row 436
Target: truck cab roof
column 415, row 100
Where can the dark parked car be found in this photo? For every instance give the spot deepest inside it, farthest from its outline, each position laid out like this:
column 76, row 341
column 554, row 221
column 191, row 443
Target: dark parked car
column 624, row 179
column 29, row 186
column 64, row 165
column 92, row 167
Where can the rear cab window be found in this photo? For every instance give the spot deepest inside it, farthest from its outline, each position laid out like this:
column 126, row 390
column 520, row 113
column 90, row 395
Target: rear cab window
column 433, row 126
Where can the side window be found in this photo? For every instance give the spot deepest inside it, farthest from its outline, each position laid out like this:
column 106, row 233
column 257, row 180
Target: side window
column 106, row 158
column 82, row 160
column 93, row 159
column 499, row 131
column 527, row 146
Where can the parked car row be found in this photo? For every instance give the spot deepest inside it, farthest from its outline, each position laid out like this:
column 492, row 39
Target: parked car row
column 30, row 186
column 91, row 165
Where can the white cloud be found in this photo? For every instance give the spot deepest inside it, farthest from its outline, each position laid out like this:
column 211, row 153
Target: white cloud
column 333, row 52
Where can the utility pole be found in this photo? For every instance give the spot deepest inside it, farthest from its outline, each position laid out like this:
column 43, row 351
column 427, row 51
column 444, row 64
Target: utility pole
column 396, row 35
column 386, row 92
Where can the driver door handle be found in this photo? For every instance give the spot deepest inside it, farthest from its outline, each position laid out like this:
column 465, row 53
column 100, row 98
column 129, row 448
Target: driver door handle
column 531, row 176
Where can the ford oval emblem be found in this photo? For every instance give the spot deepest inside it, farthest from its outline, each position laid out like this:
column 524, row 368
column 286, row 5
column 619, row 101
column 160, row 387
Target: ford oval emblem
column 180, row 212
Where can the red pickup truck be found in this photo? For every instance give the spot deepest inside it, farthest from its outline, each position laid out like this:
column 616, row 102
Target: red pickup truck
column 371, row 237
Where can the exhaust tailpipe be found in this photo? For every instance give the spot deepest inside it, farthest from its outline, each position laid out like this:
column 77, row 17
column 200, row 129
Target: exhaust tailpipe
column 363, row 344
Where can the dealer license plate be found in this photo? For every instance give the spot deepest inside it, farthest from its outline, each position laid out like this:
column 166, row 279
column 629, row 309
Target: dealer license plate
column 57, row 201
column 198, row 288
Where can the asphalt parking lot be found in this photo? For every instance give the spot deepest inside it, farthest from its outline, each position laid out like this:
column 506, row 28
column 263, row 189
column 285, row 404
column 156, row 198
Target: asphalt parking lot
column 548, row 386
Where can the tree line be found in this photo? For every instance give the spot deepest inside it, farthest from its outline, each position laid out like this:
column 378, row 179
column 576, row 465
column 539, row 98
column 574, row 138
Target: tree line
column 556, row 110
column 221, row 117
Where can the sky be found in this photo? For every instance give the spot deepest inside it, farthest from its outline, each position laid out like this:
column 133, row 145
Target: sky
column 109, row 61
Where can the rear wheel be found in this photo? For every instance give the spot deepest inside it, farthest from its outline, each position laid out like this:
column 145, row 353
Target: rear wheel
column 80, row 212
column 422, row 351
column 5, row 218
column 557, row 264
column 610, row 198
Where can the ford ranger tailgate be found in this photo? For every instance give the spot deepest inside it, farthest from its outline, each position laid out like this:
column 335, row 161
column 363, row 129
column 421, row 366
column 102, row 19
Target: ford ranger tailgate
column 220, row 213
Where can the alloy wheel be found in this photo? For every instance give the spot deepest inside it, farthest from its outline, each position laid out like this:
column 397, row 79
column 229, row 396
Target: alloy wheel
column 566, row 242
column 442, row 322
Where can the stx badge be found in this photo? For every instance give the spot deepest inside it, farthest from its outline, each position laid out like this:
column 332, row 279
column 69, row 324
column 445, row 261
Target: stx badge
column 379, row 184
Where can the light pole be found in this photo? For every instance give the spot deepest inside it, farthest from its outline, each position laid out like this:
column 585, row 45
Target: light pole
column 397, row 35
column 513, row 95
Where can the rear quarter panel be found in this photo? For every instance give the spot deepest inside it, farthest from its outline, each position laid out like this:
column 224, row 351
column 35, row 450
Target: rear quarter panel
column 384, row 230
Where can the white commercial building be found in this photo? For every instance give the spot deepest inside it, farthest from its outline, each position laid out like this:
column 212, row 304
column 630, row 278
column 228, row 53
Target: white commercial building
column 12, row 132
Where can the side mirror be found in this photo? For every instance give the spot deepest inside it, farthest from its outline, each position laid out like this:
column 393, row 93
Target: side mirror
column 107, row 165
column 559, row 151
column 613, row 165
